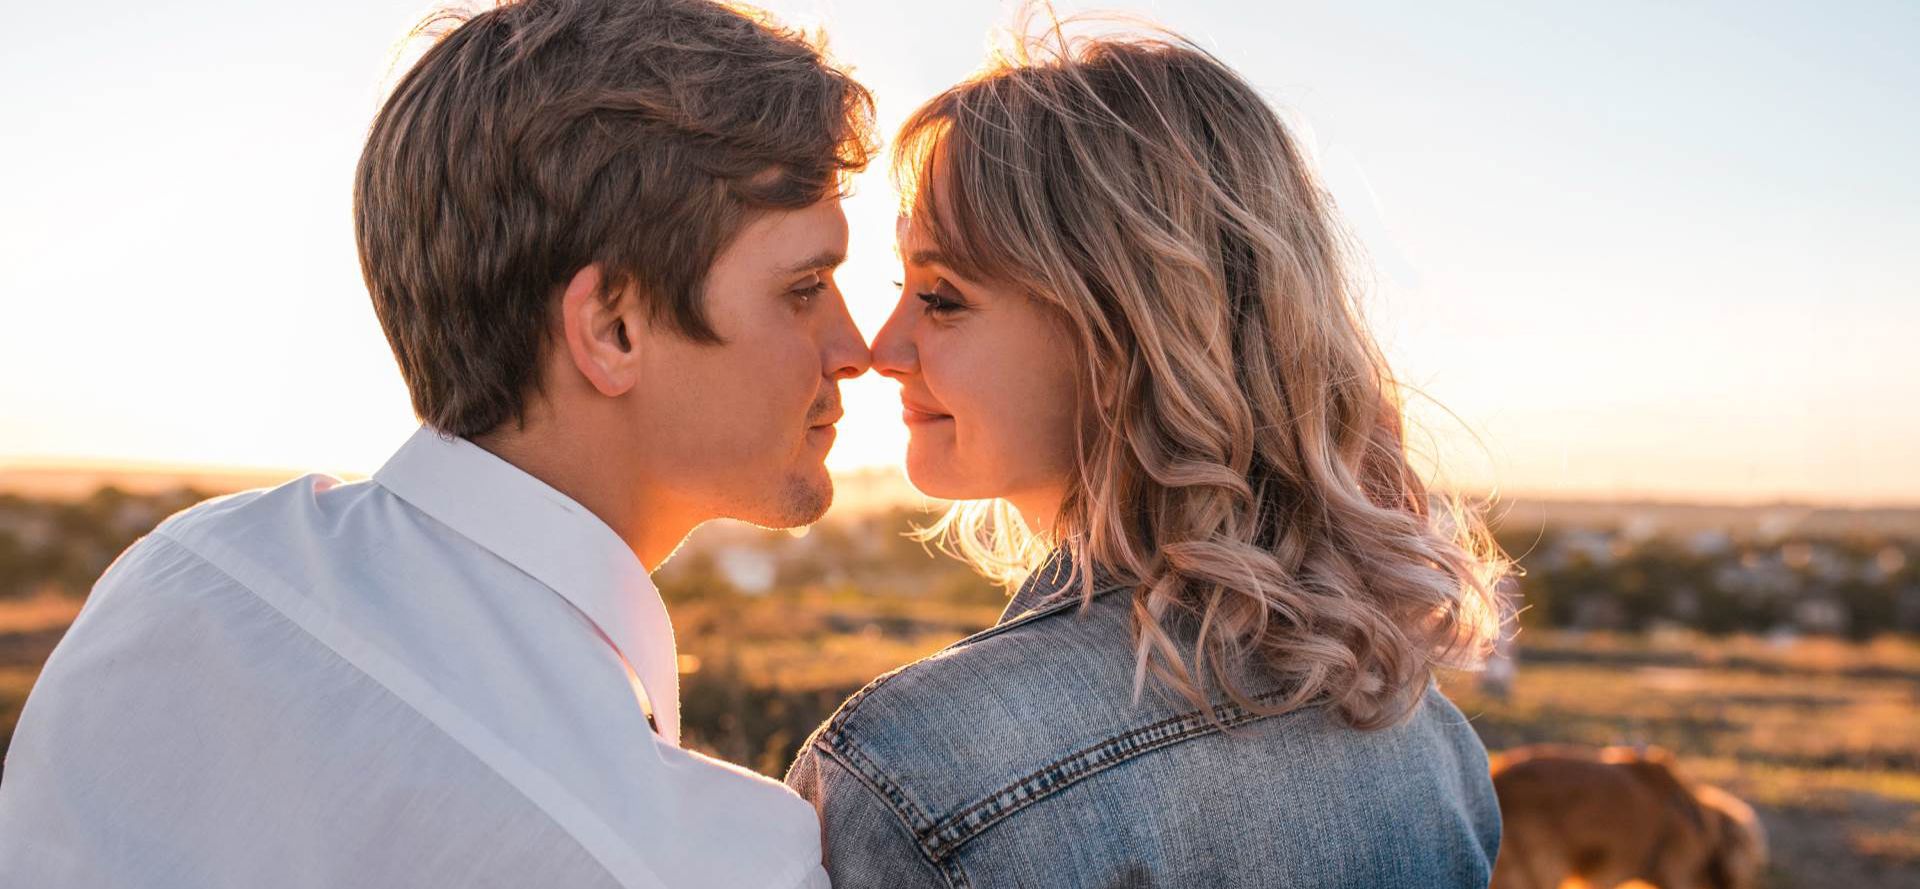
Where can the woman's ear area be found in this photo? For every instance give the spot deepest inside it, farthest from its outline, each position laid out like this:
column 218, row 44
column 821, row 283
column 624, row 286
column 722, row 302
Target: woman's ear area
column 599, row 330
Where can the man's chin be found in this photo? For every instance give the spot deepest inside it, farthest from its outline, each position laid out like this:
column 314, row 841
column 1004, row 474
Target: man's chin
column 801, row 499
column 810, row 499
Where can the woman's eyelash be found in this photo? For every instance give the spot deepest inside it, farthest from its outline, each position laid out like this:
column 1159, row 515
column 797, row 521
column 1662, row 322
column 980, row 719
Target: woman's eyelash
column 938, row 304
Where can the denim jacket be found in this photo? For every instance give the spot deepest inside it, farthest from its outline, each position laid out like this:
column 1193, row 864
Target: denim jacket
column 1016, row 757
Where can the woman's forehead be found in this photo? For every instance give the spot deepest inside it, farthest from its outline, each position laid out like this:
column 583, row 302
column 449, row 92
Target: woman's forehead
column 910, row 235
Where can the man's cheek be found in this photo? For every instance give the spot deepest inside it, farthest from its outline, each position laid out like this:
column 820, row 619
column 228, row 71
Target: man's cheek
column 800, row 367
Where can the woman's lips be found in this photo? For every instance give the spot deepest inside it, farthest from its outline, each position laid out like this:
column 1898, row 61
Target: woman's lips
column 913, row 414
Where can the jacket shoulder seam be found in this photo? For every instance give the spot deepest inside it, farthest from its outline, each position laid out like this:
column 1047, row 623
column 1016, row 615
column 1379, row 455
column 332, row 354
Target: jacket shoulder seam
column 836, row 725
column 890, row 793
column 953, row 831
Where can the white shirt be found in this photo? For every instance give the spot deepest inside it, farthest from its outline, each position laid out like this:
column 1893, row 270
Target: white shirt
column 415, row 680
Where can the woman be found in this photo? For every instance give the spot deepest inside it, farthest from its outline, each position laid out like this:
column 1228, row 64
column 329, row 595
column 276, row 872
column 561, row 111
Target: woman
column 1127, row 336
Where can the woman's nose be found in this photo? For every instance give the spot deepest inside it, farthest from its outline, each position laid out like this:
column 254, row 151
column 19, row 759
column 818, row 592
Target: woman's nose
column 894, row 353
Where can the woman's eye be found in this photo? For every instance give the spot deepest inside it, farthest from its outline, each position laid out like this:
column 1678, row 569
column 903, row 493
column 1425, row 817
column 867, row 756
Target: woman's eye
column 941, row 301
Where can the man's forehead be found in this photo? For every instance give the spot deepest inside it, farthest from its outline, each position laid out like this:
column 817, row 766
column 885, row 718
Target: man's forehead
column 828, row 258
column 805, row 239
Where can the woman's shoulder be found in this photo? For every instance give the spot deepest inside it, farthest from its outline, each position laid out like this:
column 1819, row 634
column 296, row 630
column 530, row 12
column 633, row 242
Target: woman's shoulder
column 999, row 724
column 1019, row 711
column 1023, row 668
column 993, row 705
column 1056, row 686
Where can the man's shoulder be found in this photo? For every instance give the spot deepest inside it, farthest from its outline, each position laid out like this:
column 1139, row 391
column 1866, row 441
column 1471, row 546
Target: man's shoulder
column 188, row 576
column 299, row 505
column 201, row 571
column 293, row 535
column 181, row 711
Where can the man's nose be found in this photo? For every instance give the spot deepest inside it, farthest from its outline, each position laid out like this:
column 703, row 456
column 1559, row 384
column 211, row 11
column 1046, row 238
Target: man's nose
column 847, row 355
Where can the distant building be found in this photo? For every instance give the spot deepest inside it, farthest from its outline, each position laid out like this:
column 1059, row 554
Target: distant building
column 33, row 531
column 1884, row 564
column 749, row 570
column 1595, row 547
column 1820, row 615
column 1502, row 667
column 1599, row 613
column 1709, row 542
column 1906, row 610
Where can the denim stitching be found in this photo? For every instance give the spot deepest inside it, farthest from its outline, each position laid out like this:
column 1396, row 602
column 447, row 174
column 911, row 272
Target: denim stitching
column 956, row 878
column 964, row 825
column 902, row 808
column 917, row 822
column 833, row 739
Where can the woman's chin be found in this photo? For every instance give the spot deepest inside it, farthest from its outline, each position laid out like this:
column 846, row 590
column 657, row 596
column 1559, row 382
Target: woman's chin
column 934, row 475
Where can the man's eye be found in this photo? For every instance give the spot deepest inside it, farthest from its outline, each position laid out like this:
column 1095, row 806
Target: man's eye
column 811, row 290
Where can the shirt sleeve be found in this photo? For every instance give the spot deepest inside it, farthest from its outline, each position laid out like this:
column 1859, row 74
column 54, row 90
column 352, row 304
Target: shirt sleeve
column 863, row 839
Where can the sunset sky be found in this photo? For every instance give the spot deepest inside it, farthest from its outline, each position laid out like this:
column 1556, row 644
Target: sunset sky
column 1632, row 249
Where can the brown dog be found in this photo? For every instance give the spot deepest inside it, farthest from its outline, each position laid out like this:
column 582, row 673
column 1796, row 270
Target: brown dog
column 1618, row 814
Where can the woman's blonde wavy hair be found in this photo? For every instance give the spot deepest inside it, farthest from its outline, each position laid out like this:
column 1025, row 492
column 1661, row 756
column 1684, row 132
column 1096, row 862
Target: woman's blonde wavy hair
column 1242, row 456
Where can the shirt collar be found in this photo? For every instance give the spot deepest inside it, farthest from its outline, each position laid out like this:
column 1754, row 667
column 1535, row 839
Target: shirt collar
column 554, row 540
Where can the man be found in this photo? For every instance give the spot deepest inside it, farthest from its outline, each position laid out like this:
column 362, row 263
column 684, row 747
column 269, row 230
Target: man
column 600, row 236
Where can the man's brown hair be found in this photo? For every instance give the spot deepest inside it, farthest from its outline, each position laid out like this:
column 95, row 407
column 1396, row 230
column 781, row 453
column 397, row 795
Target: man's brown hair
column 541, row 136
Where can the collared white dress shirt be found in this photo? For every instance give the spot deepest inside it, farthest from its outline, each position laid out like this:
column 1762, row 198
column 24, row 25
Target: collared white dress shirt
column 417, row 680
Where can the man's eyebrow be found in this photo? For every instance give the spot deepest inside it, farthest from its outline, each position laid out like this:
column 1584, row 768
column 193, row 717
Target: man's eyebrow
column 825, row 259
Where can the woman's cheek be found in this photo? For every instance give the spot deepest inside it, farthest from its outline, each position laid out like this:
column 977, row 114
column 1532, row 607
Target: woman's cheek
column 955, row 385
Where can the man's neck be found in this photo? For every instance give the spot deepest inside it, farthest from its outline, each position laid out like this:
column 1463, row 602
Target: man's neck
column 611, row 491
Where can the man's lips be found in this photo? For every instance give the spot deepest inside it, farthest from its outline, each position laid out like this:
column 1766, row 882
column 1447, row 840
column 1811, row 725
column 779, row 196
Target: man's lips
column 829, row 421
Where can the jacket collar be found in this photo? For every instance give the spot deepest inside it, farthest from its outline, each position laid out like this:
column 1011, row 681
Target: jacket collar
column 1055, row 584
column 554, row 540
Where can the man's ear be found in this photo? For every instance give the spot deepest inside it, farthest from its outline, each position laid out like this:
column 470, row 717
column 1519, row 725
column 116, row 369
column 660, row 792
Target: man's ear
column 598, row 331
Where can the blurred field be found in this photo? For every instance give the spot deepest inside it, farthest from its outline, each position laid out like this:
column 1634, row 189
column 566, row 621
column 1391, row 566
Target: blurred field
column 1804, row 699
column 1821, row 735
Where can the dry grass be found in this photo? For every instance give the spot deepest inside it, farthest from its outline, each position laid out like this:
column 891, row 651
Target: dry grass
column 41, row 612
column 1822, row 737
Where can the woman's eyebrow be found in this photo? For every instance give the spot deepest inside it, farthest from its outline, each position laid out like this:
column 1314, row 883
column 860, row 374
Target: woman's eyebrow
column 928, row 257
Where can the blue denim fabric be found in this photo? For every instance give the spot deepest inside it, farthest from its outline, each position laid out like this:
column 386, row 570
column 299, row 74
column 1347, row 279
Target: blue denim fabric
column 1016, row 757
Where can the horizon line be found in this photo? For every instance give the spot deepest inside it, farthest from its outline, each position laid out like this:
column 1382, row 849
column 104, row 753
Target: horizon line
column 13, row 465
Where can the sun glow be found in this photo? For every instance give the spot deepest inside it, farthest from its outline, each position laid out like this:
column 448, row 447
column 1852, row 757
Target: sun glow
column 1617, row 310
